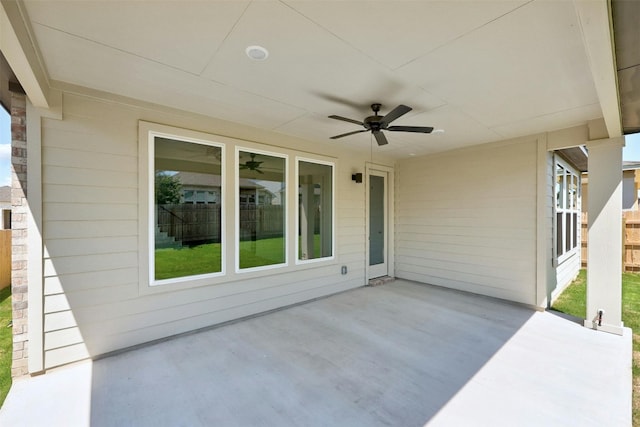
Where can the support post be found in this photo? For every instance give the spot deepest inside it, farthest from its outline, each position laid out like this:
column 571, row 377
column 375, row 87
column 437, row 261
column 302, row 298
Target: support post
column 604, row 271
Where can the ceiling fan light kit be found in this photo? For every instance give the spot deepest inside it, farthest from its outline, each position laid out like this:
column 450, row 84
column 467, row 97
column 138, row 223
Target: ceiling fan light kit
column 376, row 123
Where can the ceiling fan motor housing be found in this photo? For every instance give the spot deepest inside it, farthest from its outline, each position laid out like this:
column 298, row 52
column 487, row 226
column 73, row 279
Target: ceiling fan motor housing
column 373, row 123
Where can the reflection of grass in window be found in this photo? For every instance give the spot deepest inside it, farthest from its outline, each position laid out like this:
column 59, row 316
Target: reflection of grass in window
column 200, row 259
column 261, row 252
column 204, row 259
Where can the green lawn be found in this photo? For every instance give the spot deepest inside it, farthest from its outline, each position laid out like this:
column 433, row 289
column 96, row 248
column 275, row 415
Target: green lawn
column 6, row 341
column 573, row 302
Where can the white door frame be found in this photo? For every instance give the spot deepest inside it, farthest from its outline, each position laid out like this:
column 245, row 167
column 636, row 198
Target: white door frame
column 389, row 207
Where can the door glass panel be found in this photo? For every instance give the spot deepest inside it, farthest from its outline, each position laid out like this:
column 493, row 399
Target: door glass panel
column 376, row 220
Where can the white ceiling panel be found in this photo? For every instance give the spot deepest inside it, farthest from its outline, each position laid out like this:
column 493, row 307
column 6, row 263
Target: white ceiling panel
column 402, row 31
column 182, row 34
column 114, row 71
column 499, row 78
column 307, row 66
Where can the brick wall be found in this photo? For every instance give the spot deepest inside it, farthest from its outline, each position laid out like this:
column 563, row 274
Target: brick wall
column 19, row 282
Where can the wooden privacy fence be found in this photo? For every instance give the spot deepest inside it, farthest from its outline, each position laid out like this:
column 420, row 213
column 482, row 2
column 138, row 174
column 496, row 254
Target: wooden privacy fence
column 630, row 240
column 190, row 223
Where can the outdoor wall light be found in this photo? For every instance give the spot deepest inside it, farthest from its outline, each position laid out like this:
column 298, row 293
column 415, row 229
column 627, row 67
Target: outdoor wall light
column 357, row 177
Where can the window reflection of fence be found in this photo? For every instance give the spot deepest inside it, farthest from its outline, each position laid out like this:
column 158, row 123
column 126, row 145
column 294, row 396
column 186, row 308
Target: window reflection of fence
column 190, row 224
column 630, row 241
column 261, row 222
column 195, row 224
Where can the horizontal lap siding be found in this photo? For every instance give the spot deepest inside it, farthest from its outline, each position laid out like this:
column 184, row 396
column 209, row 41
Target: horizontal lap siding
column 92, row 299
column 566, row 272
column 90, row 224
column 467, row 220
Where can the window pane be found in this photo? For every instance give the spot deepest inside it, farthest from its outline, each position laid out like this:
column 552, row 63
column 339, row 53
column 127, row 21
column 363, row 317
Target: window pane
column 187, row 232
column 575, row 191
column 559, row 234
column 315, row 219
column 559, row 187
column 262, row 191
column 568, row 230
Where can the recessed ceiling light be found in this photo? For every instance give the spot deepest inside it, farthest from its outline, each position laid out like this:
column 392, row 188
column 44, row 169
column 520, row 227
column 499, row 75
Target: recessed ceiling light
column 257, row 53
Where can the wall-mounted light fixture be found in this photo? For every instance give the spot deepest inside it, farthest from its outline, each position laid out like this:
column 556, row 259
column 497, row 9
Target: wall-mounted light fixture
column 357, row 177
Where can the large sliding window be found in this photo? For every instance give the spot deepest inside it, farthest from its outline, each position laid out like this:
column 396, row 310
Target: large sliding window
column 261, row 199
column 315, row 210
column 187, row 208
column 567, row 210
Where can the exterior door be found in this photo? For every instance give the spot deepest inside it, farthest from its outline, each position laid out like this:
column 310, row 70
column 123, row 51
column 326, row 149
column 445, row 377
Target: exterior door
column 378, row 223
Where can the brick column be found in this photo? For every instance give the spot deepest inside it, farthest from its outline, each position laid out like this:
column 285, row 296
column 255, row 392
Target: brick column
column 19, row 282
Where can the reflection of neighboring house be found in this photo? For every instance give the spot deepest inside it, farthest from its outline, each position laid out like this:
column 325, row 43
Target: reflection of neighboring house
column 199, row 188
column 202, row 188
column 630, row 186
column 252, row 193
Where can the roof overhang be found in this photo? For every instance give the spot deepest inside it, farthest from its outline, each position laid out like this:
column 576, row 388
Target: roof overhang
column 626, row 30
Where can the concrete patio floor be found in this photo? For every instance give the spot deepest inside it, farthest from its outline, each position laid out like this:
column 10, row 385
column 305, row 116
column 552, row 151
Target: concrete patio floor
column 401, row 354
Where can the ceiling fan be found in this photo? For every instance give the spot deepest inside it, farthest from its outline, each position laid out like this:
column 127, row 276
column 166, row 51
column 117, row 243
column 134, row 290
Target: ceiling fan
column 376, row 124
column 252, row 165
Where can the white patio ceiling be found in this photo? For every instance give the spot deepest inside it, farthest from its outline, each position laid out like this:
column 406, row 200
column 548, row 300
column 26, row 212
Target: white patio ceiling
column 480, row 70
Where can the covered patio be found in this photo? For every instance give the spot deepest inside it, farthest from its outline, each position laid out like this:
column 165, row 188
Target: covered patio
column 403, row 354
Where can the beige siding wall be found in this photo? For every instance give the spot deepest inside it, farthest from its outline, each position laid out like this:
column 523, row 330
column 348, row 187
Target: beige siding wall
column 93, row 302
column 466, row 220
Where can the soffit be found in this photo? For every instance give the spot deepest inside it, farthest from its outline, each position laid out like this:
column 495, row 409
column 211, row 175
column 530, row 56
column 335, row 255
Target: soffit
column 626, row 16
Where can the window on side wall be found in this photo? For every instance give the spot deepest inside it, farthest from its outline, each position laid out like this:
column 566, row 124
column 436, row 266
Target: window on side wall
column 567, row 211
column 315, row 210
column 186, row 223
column 261, row 205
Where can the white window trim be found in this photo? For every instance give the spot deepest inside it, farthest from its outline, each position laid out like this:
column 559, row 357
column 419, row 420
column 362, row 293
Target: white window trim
column 152, row 135
column 229, row 202
column 333, row 211
column 558, row 260
column 287, row 230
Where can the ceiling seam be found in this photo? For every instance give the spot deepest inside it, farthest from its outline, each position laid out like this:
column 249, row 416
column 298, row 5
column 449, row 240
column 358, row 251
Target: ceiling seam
column 116, row 49
column 463, row 35
column 386, row 67
column 231, row 30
